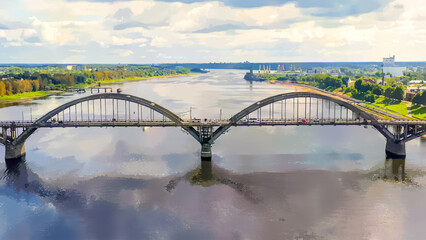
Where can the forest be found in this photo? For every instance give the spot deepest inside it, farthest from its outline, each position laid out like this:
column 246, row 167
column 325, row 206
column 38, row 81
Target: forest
column 14, row 80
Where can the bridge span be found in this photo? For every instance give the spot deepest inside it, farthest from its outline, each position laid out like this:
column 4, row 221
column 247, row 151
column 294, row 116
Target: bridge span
column 295, row 108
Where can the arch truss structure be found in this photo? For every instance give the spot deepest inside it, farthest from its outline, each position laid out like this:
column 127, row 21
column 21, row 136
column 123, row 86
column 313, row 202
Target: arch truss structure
column 100, row 110
column 295, row 108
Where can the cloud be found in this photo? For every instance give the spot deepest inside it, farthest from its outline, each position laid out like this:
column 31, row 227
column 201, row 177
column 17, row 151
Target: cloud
column 126, row 25
column 306, row 30
column 220, row 28
column 77, row 50
column 119, row 41
column 123, row 52
column 33, row 39
column 123, row 14
column 321, row 8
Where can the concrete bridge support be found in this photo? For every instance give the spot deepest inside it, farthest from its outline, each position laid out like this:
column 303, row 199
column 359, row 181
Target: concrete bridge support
column 15, row 151
column 395, row 149
column 206, row 152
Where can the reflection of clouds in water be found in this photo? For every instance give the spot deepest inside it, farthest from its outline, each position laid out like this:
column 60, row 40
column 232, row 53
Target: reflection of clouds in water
column 355, row 145
column 376, row 212
column 82, row 143
column 97, row 210
column 247, row 163
column 93, row 150
column 326, row 204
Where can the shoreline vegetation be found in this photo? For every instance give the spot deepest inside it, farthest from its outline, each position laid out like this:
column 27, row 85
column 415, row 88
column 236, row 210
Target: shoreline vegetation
column 45, row 83
column 375, row 96
column 28, row 96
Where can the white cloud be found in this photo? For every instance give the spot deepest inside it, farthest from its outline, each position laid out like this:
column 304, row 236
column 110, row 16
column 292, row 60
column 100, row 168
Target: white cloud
column 123, row 52
column 261, row 34
column 159, row 42
column 126, row 41
column 77, row 50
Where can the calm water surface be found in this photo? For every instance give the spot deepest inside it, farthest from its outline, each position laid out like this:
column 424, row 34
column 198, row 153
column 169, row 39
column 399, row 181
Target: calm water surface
column 263, row 183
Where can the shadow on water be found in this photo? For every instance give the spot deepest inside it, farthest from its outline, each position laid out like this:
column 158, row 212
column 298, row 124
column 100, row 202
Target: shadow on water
column 16, row 175
column 394, row 170
column 208, row 174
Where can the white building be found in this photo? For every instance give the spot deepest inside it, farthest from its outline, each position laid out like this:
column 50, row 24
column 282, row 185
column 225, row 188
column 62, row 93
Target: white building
column 390, row 67
column 390, row 61
column 70, row 67
column 394, row 71
column 412, row 82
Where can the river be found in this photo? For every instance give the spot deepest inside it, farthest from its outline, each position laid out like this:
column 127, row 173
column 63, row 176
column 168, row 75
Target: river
column 305, row 182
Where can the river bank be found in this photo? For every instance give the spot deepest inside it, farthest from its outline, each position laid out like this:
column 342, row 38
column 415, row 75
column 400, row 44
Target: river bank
column 28, row 96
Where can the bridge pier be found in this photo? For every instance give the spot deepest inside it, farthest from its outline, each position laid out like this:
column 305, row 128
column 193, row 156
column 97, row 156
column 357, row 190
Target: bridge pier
column 206, row 152
column 395, row 149
column 15, row 151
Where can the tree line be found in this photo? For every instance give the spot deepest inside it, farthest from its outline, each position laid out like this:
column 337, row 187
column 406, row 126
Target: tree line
column 10, row 87
column 17, row 80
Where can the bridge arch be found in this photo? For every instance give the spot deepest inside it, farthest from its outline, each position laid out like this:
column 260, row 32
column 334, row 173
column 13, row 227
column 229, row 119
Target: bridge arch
column 114, row 96
column 292, row 95
column 125, row 97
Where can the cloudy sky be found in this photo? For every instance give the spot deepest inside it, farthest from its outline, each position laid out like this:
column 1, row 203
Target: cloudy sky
column 160, row 31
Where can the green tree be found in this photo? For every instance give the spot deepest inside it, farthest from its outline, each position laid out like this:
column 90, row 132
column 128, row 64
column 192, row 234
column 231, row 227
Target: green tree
column 388, row 92
column 370, row 97
column 358, row 85
column 398, row 93
column 377, row 89
column 417, row 98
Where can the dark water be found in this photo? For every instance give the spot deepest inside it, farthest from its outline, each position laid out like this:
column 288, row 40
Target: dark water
column 263, row 182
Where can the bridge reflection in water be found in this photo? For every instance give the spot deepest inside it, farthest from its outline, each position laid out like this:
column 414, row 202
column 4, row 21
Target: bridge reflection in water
column 295, row 108
column 272, row 198
column 18, row 176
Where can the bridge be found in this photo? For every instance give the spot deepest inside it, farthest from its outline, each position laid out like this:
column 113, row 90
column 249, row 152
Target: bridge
column 295, row 108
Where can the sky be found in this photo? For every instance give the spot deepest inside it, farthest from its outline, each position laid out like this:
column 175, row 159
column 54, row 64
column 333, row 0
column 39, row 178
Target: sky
column 191, row 31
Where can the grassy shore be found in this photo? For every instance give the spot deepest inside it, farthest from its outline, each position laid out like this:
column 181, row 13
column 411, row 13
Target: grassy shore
column 418, row 111
column 397, row 106
column 24, row 96
column 32, row 95
column 400, row 107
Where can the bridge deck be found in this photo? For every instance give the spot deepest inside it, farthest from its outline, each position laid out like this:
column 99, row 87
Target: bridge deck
column 211, row 123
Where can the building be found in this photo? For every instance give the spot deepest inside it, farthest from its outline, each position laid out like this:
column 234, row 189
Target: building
column 394, row 71
column 389, row 62
column 70, row 67
column 369, row 80
column 389, row 67
column 415, row 89
column 414, row 82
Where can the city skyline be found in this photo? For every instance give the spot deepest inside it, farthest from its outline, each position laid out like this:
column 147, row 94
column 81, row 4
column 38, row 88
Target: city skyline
column 140, row 32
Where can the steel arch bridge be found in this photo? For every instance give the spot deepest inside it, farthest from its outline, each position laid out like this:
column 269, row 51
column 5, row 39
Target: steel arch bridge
column 123, row 110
